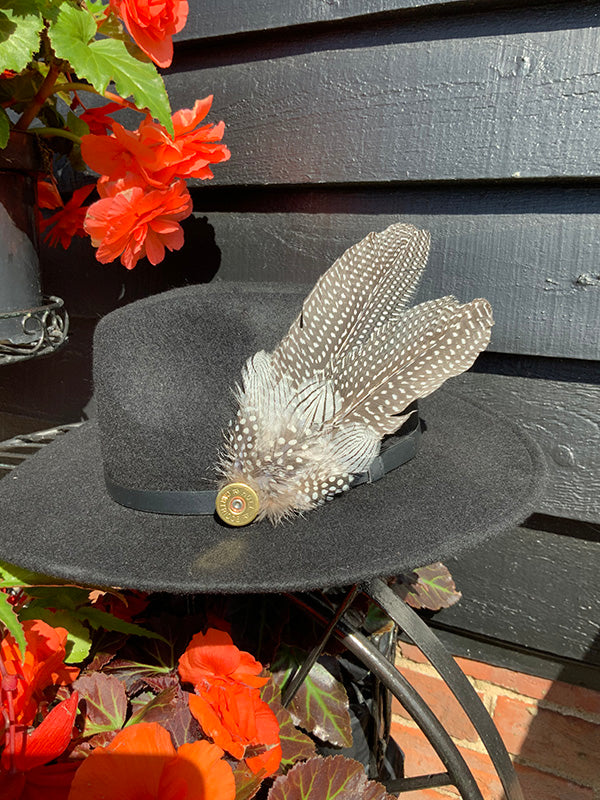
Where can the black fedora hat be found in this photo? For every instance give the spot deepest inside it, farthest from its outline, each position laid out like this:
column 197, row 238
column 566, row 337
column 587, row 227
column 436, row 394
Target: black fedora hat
column 164, row 372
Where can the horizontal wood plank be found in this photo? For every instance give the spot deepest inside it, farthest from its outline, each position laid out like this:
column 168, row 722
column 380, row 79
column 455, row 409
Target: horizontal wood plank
column 539, row 271
column 531, row 588
column 215, row 18
column 564, row 419
column 524, row 104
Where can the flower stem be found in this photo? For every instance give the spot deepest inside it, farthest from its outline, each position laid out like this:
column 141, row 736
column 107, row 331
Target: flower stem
column 57, row 132
column 73, row 86
column 38, row 101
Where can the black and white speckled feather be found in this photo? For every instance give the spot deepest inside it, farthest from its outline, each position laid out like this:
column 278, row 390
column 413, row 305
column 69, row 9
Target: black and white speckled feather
column 312, row 413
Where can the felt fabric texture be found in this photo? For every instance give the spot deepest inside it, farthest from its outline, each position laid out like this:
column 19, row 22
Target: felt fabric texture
column 164, row 370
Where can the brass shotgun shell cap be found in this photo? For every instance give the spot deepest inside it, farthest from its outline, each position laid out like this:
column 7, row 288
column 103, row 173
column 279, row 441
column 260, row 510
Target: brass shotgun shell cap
column 237, row 504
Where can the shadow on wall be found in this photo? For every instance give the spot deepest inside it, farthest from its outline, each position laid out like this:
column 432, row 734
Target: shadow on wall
column 91, row 289
column 553, row 732
column 58, row 388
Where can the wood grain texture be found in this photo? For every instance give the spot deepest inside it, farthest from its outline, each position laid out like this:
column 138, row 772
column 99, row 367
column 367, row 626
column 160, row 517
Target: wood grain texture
column 531, row 588
column 524, row 104
column 528, row 265
column 215, row 18
column 564, row 419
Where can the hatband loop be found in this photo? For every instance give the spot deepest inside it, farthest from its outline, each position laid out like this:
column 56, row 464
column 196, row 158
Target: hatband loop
column 396, row 451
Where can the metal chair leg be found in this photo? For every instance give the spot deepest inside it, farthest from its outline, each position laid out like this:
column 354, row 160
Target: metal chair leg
column 458, row 773
column 422, row 636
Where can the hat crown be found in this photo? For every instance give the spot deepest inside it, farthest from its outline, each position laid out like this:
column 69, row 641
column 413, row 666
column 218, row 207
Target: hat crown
column 164, row 370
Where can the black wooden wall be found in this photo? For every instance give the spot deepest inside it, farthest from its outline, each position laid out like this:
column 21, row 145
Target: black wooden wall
column 478, row 120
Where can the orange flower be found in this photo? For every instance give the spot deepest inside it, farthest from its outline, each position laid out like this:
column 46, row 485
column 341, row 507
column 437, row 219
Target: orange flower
column 133, row 223
column 68, row 222
column 47, row 193
column 97, row 119
column 227, row 703
column 211, row 659
column 43, row 666
column 141, row 762
column 152, row 24
column 236, row 718
column 25, row 773
column 151, row 153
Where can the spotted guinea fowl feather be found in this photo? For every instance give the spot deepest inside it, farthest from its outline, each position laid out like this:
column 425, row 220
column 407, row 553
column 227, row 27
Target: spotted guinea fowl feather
column 368, row 285
column 313, row 412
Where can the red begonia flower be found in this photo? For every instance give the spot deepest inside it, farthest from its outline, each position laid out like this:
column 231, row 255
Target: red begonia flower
column 236, row 718
column 25, row 773
column 47, row 194
column 152, row 24
column 97, row 119
column 141, row 762
column 134, row 223
column 43, row 666
column 151, row 153
column 211, row 659
column 227, row 703
column 68, row 221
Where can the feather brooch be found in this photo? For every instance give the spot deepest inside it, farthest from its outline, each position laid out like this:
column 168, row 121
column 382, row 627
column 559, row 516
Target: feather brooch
column 311, row 414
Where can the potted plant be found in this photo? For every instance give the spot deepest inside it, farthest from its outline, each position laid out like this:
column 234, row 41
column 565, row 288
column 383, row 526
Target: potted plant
column 66, row 71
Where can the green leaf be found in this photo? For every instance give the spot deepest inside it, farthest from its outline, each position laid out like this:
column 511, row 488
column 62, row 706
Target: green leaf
column 20, row 27
column 12, row 577
column 62, row 597
column 325, row 779
column 105, row 702
column 321, row 704
column 102, row 619
column 79, row 640
column 9, row 618
column 76, row 125
column 96, row 7
column 428, row 587
column 4, row 128
column 105, row 60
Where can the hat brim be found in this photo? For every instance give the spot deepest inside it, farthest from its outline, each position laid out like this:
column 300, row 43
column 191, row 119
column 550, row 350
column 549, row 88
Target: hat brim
column 476, row 474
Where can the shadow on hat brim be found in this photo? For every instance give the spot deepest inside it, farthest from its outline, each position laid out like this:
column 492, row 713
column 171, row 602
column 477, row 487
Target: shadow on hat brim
column 476, row 474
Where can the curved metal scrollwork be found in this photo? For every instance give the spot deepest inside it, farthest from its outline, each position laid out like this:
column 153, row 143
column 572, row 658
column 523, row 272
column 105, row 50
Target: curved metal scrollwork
column 46, row 328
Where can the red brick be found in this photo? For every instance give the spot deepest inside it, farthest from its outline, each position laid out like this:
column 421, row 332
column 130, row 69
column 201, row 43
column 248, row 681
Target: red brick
column 412, row 652
column 419, row 756
column 539, row 785
column 576, row 697
column 427, row 794
column 529, row 685
column 550, row 740
column 557, row 692
column 442, row 702
column 420, row 759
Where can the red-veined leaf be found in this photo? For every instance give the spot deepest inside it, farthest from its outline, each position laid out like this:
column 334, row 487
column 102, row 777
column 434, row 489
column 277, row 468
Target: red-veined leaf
column 295, row 745
column 325, row 779
column 428, row 587
column 105, row 702
column 321, row 704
